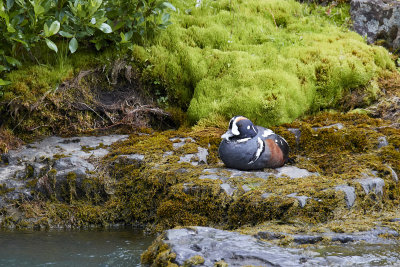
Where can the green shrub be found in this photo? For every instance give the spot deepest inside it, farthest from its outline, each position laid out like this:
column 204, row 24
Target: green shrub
column 272, row 61
column 26, row 25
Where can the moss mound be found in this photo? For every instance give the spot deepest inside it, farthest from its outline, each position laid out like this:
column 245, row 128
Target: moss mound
column 271, row 61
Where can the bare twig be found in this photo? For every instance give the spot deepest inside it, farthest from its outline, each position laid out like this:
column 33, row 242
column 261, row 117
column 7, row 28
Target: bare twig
column 92, row 110
column 273, row 17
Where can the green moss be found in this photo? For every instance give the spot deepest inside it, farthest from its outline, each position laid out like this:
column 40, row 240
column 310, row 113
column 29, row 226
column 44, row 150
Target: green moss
column 31, row 183
column 221, row 263
column 29, row 172
column 252, row 209
column 8, row 222
column 271, row 61
column 158, row 254
column 31, row 83
column 194, row 260
column 4, row 189
column 70, row 190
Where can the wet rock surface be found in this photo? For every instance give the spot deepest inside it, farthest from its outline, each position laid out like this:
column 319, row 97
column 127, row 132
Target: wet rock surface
column 234, row 249
column 216, row 247
column 52, row 158
column 373, row 236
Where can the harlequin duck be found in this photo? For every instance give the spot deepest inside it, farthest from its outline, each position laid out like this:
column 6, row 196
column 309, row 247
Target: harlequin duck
column 248, row 147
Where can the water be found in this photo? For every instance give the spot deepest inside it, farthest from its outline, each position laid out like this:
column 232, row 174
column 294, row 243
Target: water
column 73, row 248
column 123, row 247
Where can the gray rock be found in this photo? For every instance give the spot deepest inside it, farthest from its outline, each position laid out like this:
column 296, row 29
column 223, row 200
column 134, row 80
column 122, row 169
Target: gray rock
column 135, row 157
column 382, row 141
column 181, row 171
column 377, row 19
column 266, row 195
column 39, row 168
column 195, row 159
column 210, row 176
column 228, row 189
column 235, row 249
column 168, row 153
column 80, row 173
column 393, row 173
column 302, row 199
column 213, row 170
column 131, row 159
column 349, row 194
column 343, row 238
column 214, row 174
column 13, row 177
column 10, row 171
column 246, row 188
column 373, row 236
column 287, row 171
column 372, row 184
column 336, row 126
column 47, row 148
column 237, row 173
column 181, row 141
column 269, row 235
column 264, row 175
column 251, row 174
column 73, row 164
column 202, row 155
column 190, row 188
column 2, row 204
column 65, row 155
column 293, row 172
column 188, row 158
column 307, row 239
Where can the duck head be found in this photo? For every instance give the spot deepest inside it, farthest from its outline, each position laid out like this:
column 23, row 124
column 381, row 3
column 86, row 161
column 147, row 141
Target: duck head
column 240, row 129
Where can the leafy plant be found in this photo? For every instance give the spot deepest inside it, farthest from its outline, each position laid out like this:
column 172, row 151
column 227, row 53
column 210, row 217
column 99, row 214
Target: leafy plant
column 27, row 24
column 145, row 18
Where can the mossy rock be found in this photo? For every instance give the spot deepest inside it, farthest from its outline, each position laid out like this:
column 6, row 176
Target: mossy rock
column 164, row 192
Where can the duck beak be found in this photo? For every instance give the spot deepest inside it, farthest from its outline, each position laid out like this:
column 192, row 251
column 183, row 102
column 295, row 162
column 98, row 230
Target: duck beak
column 227, row 135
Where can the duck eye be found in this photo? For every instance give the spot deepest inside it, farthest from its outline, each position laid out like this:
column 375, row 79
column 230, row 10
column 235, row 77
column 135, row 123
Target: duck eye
column 248, row 127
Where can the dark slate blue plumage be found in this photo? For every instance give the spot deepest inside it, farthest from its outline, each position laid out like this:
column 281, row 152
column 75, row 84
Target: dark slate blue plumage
column 248, row 147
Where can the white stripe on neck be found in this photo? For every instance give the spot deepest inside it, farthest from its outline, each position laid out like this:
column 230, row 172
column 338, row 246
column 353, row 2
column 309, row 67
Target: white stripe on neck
column 260, row 148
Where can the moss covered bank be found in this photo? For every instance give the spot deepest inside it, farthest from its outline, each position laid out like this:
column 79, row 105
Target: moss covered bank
column 174, row 185
column 278, row 63
column 271, row 61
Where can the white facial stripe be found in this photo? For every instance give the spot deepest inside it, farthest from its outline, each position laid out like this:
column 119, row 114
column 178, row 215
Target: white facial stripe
column 267, row 133
column 243, row 140
column 235, row 129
